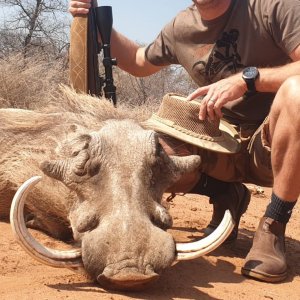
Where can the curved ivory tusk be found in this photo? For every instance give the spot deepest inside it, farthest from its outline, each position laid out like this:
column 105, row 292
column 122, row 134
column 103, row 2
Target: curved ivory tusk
column 186, row 251
column 55, row 258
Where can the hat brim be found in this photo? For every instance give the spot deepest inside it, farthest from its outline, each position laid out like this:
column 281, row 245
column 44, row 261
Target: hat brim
column 228, row 142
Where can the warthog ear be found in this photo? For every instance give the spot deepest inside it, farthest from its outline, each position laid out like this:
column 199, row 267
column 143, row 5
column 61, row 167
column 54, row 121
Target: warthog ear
column 64, row 169
column 54, row 169
column 184, row 164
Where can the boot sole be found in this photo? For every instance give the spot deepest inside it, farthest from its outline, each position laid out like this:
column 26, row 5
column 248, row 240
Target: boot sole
column 264, row 276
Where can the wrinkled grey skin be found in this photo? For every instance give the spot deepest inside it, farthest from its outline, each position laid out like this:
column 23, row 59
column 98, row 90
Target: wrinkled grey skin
column 103, row 187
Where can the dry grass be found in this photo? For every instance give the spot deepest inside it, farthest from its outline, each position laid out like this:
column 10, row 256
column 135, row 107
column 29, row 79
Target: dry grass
column 39, row 85
column 28, row 83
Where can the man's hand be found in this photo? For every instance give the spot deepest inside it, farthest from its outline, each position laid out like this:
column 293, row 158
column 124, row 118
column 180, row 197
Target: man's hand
column 216, row 95
column 80, row 7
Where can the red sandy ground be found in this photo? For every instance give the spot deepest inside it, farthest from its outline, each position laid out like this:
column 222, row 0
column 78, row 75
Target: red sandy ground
column 216, row 276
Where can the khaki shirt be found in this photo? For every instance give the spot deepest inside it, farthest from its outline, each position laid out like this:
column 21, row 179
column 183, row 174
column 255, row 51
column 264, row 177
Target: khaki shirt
column 258, row 33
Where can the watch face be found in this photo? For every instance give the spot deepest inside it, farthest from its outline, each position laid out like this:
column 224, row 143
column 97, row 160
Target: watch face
column 250, row 73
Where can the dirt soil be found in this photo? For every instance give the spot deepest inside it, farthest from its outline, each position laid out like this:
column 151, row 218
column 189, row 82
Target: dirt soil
column 216, row 276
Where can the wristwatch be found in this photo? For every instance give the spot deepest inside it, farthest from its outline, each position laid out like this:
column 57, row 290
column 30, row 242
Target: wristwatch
column 250, row 74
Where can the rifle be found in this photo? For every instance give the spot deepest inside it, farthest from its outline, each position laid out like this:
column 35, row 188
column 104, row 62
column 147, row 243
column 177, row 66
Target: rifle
column 84, row 50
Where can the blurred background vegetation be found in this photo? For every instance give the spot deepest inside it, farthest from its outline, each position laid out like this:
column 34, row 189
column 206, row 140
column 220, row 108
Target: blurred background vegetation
column 34, row 46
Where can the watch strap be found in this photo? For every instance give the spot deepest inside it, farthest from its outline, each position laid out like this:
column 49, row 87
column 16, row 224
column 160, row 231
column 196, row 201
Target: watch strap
column 251, row 85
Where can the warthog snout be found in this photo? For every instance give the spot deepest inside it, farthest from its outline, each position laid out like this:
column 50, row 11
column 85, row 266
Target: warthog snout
column 132, row 254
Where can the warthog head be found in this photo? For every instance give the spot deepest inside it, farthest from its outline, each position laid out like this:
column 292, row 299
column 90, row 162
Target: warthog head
column 118, row 175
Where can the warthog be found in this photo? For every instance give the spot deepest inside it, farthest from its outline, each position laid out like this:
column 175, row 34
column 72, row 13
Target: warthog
column 102, row 180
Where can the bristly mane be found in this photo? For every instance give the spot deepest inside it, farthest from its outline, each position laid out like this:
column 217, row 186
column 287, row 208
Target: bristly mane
column 67, row 100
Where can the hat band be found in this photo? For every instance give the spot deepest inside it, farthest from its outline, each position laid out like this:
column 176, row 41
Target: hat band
column 186, row 131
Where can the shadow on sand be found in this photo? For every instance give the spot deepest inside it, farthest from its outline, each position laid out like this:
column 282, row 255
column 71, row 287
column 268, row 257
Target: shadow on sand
column 183, row 279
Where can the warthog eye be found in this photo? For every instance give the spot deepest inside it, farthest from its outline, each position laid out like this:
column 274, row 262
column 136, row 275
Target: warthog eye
column 75, row 153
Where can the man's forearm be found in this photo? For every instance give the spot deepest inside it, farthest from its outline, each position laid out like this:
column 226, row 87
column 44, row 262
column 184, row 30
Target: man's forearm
column 130, row 56
column 270, row 79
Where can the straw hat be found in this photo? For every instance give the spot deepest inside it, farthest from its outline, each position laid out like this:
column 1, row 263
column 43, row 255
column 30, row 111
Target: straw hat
column 178, row 118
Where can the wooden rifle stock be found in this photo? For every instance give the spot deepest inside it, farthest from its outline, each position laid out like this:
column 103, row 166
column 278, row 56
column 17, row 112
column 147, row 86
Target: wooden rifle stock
column 84, row 49
column 78, row 56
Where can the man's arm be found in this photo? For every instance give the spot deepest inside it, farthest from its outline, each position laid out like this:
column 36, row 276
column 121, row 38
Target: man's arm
column 130, row 56
column 270, row 79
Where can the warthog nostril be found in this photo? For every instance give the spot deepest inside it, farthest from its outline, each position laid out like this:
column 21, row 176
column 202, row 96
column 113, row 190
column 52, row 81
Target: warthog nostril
column 127, row 280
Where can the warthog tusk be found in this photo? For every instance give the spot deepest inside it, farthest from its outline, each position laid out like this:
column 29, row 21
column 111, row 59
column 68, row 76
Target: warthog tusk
column 186, row 251
column 55, row 258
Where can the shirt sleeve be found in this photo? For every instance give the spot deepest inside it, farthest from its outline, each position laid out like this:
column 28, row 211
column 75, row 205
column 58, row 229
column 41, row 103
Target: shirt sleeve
column 284, row 24
column 161, row 52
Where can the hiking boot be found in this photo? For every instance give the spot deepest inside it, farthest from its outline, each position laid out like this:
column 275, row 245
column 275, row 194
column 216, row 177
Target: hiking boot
column 266, row 260
column 236, row 199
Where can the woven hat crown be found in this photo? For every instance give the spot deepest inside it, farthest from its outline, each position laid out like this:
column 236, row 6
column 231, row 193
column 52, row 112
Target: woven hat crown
column 184, row 116
column 180, row 118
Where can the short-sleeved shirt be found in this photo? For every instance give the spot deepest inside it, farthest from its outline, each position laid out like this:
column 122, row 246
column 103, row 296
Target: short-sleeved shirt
column 259, row 33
